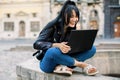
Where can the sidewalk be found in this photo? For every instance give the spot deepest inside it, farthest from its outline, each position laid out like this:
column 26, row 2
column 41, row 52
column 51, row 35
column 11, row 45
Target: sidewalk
column 9, row 59
column 31, row 41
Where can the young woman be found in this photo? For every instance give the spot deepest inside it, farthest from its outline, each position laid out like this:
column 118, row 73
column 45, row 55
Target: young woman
column 53, row 39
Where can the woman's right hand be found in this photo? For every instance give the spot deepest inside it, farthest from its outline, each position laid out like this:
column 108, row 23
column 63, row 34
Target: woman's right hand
column 62, row 46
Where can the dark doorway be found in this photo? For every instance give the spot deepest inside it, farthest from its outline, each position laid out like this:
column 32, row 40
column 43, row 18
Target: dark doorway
column 117, row 29
column 21, row 29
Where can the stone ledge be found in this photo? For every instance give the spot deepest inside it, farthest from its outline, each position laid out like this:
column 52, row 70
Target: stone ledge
column 29, row 70
column 106, row 61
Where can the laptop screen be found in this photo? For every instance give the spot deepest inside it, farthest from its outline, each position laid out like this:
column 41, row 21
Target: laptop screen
column 81, row 40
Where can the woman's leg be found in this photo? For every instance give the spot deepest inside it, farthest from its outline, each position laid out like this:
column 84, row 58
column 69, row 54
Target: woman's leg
column 84, row 55
column 53, row 57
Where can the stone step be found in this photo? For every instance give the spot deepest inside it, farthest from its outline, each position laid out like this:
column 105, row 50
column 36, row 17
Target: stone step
column 29, row 70
column 108, row 46
column 22, row 48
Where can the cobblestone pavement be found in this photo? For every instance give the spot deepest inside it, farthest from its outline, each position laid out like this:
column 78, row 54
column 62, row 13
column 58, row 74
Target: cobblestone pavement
column 10, row 56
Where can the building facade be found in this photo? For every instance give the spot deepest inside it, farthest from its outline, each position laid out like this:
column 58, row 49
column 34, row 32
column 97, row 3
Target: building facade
column 22, row 18
column 91, row 13
column 26, row 18
column 112, row 18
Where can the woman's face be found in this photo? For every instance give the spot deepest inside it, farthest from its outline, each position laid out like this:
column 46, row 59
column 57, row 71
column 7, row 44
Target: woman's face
column 73, row 19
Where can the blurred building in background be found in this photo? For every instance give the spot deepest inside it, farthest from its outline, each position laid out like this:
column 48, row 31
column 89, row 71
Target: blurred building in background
column 26, row 18
column 23, row 18
column 112, row 18
column 91, row 13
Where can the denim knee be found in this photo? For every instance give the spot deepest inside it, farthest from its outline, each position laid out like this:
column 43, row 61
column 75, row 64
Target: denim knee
column 93, row 50
column 52, row 52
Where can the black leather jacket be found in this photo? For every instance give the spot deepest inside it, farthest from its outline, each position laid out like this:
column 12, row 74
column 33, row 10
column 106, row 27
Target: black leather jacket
column 53, row 31
column 50, row 34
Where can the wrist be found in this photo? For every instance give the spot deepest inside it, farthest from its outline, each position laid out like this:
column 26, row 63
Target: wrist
column 55, row 45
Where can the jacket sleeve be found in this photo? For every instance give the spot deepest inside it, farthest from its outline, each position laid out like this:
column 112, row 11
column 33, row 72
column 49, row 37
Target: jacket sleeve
column 45, row 38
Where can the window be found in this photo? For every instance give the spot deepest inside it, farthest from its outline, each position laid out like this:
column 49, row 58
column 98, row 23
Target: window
column 65, row 0
column 8, row 26
column 8, row 15
column 114, row 2
column 94, row 19
column 96, row 0
column 78, row 0
column 59, row 0
column 34, row 14
column 35, row 26
column 119, row 2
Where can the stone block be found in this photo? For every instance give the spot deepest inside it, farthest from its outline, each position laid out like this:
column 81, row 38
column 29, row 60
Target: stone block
column 18, row 70
column 29, row 70
column 19, row 77
column 107, row 61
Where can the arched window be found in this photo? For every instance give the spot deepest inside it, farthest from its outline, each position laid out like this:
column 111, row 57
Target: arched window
column 21, row 29
column 94, row 20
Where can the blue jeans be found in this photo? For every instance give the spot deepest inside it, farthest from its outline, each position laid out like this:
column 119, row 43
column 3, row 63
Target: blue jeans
column 54, row 57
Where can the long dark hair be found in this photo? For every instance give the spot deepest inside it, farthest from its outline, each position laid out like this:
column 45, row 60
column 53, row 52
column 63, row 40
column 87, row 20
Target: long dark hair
column 68, row 13
column 62, row 11
column 60, row 18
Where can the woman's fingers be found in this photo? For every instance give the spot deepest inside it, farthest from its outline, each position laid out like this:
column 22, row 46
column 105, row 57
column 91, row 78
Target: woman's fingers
column 65, row 48
column 64, row 44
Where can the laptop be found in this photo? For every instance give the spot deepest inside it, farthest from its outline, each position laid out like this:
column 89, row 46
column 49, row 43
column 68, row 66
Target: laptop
column 81, row 40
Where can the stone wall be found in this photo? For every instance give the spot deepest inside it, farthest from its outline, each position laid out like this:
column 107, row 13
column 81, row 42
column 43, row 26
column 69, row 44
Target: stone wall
column 106, row 61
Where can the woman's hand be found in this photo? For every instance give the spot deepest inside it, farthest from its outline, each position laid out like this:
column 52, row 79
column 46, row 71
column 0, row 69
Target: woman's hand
column 62, row 46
